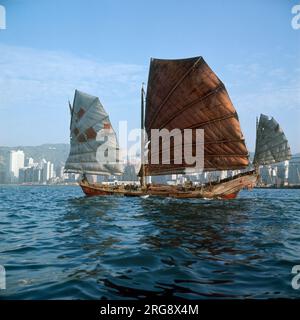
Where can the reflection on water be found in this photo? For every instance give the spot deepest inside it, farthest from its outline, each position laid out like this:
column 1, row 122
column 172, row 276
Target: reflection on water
column 56, row 243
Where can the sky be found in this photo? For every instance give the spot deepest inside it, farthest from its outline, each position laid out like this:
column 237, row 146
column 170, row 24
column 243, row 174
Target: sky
column 50, row 48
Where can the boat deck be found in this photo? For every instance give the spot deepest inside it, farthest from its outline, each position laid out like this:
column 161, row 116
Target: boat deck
column 226, row 188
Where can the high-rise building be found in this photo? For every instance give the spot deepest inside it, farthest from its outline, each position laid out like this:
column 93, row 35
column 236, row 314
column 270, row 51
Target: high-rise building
column 294, row 171
column 30, row 175
column 37, row 175
column 29, row 162
column 52, row 172
column 16, row 162
column 59, row 172
column 46, row 168
column 47, row 171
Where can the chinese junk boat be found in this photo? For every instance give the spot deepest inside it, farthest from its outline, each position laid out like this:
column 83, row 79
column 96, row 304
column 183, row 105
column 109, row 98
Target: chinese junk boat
column 181, row 94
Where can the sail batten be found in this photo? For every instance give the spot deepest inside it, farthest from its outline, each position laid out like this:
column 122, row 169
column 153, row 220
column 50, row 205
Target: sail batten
column 173, row 89
column 271, row 143
column 187, row 94
column 199, row 100
column 91, row 132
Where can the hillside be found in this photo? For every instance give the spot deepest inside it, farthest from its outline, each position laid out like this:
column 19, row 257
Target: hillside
column 56, row 153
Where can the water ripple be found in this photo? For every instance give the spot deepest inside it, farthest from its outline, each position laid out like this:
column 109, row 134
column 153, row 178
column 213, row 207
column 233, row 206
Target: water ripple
column 57, row 244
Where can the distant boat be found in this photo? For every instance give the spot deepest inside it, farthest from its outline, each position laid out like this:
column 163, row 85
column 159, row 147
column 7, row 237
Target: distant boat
column 181, row 94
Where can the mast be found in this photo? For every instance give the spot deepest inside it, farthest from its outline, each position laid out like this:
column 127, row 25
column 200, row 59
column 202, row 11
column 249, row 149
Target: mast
column 142, row 138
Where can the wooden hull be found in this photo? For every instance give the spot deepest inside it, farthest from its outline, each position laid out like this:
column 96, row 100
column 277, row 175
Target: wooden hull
column 225, row 189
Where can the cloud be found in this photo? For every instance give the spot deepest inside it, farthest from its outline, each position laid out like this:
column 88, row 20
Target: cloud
column 270, row 89
column 256, row 87
column 35, row 86
column 39, row 83
column 47, row 78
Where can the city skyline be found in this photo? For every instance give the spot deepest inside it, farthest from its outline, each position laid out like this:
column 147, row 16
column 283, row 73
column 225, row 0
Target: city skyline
column 21, row 168
column 252, row 47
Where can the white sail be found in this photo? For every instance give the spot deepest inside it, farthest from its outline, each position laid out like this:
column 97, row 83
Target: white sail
column 271, row 143
column 94, row 146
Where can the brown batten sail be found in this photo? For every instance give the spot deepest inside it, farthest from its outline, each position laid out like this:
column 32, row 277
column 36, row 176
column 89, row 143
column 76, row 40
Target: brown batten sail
column 187, row 94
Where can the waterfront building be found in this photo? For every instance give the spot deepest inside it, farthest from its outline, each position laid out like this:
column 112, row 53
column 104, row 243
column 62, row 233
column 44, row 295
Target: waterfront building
column 16, row 162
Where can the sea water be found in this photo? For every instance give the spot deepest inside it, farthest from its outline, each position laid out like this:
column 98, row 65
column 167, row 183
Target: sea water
column 55, row 243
